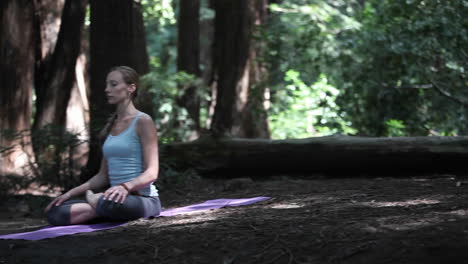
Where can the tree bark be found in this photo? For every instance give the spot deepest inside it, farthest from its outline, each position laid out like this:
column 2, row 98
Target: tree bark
column 77, row 121
column 254, row 123
column 188, row 57
column 206, row 59
column 17, row 56
column 117, row 37
column 58, row 74
column 338, row 155
column 237, row 72
column 48, row 20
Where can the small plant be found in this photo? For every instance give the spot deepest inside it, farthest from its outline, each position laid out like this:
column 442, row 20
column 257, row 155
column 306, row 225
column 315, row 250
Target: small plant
column 53, row 162
column 54, row 151
column 395, row 128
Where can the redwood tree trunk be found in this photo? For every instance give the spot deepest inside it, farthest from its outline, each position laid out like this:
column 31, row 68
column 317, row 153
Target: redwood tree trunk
column 17, row 56
column 54, row 86
column 117, row 37
column 254, row 122
column 206, row 60
column 238, row 75
column 48, row 18
column 188, row 57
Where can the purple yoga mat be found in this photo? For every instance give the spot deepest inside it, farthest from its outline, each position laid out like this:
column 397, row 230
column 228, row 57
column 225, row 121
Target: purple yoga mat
column 56, row 231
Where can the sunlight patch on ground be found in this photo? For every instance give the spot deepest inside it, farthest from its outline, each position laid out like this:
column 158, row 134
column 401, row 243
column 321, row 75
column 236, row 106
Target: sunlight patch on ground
column 401, row 203
column 302, row 202
column 284, row 205
column 403, row 223
column 195, row 217
column 461, row 212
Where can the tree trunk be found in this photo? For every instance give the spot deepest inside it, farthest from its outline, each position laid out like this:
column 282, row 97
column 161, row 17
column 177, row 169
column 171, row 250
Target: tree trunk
column 48, row 18
column 117, row 37
column 335, row 154
column 78, row 115
column 206, row 59
column 58, row 73
column 188, row 58
column 237, row 72
column 17, row 56
column 254, row 122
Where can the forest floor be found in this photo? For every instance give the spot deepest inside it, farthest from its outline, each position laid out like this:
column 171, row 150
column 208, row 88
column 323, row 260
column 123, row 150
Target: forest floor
column 420, row 219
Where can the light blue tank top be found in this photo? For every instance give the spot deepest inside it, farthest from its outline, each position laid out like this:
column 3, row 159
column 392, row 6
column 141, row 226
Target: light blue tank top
column 124, row 156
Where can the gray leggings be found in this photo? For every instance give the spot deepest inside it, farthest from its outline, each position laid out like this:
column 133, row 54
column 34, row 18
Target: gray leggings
column 133, row 208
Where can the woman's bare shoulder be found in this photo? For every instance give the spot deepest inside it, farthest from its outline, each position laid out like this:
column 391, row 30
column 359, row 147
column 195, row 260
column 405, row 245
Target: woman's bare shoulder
column 145, row 123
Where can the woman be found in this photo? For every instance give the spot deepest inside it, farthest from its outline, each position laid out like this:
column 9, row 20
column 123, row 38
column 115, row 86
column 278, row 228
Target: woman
column 130, row 164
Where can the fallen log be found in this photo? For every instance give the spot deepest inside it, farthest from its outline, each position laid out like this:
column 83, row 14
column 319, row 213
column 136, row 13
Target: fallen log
column 333, row 154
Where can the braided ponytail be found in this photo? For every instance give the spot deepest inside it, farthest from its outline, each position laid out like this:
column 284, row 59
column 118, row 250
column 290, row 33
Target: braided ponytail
column 107, row 128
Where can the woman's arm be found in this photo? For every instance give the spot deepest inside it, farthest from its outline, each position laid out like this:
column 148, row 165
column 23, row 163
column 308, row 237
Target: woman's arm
column 146, row 130
column 97, row 181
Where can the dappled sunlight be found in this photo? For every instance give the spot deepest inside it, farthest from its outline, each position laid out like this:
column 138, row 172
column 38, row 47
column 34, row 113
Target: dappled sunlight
column 402, row 223
column 189, row 218
column 195, row 217
column 461, row 212
column 299, row 203
column 285, row 205
column 405, row 222
column 401, row 203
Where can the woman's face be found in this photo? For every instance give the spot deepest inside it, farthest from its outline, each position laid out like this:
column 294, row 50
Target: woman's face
column 117, row 90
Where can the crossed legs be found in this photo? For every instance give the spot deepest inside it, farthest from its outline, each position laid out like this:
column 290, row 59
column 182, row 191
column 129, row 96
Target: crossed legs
column 81, row 211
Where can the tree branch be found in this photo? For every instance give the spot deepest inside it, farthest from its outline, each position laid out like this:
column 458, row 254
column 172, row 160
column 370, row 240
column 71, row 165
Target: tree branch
column 448, row 95
column 437, row 88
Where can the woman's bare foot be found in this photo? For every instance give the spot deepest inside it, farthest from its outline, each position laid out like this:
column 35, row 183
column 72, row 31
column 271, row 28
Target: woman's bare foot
column 92, row 198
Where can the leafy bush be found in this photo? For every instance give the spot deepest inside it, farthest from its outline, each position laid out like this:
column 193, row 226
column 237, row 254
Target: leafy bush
column 53, row 163
column 388, row 59
column 171, row 119
column 54, row 156
column 306, row 110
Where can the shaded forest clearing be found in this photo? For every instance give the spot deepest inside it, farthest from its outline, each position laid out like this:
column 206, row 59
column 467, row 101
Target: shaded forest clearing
column 420, row 219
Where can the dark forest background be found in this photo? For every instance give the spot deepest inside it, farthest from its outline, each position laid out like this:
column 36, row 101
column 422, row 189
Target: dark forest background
column 224, row 68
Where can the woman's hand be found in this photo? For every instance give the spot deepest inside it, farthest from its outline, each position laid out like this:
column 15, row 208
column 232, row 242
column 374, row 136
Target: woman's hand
column 58, row 201
column 117, row 194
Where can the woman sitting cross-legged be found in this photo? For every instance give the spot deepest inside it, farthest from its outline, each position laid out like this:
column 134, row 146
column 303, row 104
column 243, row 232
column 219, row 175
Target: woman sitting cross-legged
column 130, row 164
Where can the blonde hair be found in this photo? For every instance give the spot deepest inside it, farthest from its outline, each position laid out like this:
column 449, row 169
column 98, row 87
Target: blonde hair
column 129, row 76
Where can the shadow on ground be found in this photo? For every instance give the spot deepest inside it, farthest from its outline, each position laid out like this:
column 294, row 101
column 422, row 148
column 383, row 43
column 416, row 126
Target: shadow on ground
column 361, row 220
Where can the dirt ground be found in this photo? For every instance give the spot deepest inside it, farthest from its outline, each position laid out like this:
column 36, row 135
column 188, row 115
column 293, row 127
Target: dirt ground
column 420, row 219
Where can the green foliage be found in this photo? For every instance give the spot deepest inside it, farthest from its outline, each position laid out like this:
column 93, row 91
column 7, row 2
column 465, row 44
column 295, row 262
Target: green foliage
column 395, row 128
column 385, row 57
column 54, row 156
column 163, row 81
column 53, row 163
column 301, row 35
column 161, row 33
column 159, row 11
column 403, row 45
column 172, row 119
column 307, row 110
column 301, row 38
